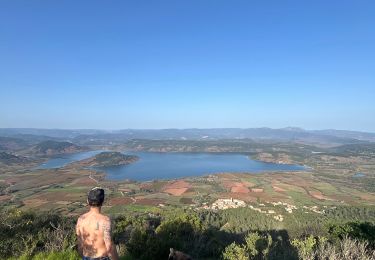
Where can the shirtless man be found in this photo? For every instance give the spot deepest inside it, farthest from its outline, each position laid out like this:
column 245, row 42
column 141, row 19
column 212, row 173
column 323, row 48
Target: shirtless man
column 94, row 231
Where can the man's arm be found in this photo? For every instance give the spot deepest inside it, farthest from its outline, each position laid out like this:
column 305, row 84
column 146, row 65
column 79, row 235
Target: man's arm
column 79, row 239
column 111, row 248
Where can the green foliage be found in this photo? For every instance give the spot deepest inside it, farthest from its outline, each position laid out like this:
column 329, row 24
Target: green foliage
column 305, row 247
column 27, row 233
column 255, row 247
column 66, row 255
column 105, row 159
column 234, row 252
column 181, row 225
column 257, row 244
column 138, row 240
column 181, row 231
column 61, row 255
column 240, row 220
column 301, row 225
column 363, row 231
column 230, row 234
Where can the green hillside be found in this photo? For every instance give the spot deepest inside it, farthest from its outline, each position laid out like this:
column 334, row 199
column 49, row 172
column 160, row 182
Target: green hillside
column 106, row 159
column 54, row 147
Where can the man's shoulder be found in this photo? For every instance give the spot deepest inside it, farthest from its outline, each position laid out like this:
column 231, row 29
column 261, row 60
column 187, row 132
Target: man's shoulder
column 98, row 217
column 105, row 218
column 82, row 217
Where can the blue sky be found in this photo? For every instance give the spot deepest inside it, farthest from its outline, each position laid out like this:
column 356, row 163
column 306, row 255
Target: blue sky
column 184, row 64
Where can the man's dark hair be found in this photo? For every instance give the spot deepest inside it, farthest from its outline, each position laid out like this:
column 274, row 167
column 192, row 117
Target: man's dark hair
column 96, row 197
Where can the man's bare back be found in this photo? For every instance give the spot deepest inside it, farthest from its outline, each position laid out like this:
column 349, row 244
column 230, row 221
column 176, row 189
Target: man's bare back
column 94, row 235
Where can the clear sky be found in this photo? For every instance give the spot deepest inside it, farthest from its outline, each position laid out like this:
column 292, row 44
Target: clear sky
column 184, row 64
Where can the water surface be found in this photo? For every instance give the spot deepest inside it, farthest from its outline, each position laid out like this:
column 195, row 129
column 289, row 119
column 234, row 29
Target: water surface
column 62, row 160
column 153, row 166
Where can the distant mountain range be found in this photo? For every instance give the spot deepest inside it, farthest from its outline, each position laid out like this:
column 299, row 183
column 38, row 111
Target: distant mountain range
column 18, row 137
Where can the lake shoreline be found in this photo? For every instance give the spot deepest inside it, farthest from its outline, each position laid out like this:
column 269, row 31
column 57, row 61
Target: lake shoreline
column 176, row 165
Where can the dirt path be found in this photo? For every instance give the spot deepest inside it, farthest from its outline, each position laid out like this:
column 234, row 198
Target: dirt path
column 92, row 178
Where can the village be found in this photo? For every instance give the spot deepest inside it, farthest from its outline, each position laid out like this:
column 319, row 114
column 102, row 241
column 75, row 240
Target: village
column 222, row 204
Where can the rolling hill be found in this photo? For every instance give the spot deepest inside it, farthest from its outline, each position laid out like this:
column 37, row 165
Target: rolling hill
column 106, row 159
column 55, row 147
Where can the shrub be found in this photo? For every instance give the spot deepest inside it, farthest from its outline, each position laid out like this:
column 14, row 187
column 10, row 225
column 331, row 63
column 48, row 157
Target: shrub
column 305, row 247
column 62, row 255
column 65, row 255
column 235, row 252
column 364, row 231
column 26, row 233
column 256, row 246
column 349, row 249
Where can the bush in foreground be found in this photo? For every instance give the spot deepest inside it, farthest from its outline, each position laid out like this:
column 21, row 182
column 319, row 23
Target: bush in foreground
column 232, row 234
column 320, row 248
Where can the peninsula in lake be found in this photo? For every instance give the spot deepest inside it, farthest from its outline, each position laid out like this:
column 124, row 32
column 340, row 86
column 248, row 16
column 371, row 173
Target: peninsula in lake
column 107, row 159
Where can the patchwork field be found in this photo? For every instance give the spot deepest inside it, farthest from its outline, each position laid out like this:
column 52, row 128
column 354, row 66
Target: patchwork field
column 65, row 190
column 329, row 181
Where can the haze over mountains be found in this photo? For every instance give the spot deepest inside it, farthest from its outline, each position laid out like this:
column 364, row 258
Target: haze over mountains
column 20, row 137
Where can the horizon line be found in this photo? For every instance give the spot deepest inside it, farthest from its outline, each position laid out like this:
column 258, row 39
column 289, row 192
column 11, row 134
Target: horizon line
column 190, row 128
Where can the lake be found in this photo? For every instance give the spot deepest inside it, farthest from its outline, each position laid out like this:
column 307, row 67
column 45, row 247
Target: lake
column 62, row 160
column 153, row 165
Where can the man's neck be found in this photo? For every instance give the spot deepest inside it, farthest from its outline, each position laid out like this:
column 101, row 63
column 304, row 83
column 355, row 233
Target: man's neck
column 95, row 210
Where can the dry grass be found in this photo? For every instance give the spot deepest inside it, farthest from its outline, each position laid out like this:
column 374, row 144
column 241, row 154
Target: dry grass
column 348, row 249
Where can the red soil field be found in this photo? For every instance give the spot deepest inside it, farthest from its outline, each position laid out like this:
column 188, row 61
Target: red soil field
column 34, row 202
column 318, row 195
column 240, row 189
column 4, row 197
column 176, row 192
column 278, row 189
column 86, row 181
column 120, row 201
column 177, row 188
column 248, row 184
column 146, row 186
column 228, row 184
column 237, row 186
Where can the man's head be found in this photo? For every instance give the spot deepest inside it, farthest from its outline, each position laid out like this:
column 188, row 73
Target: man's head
column 95, row 197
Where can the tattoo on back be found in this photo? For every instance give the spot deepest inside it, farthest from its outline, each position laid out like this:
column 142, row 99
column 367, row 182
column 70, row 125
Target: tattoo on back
column 106, row 231
column 97, row 226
